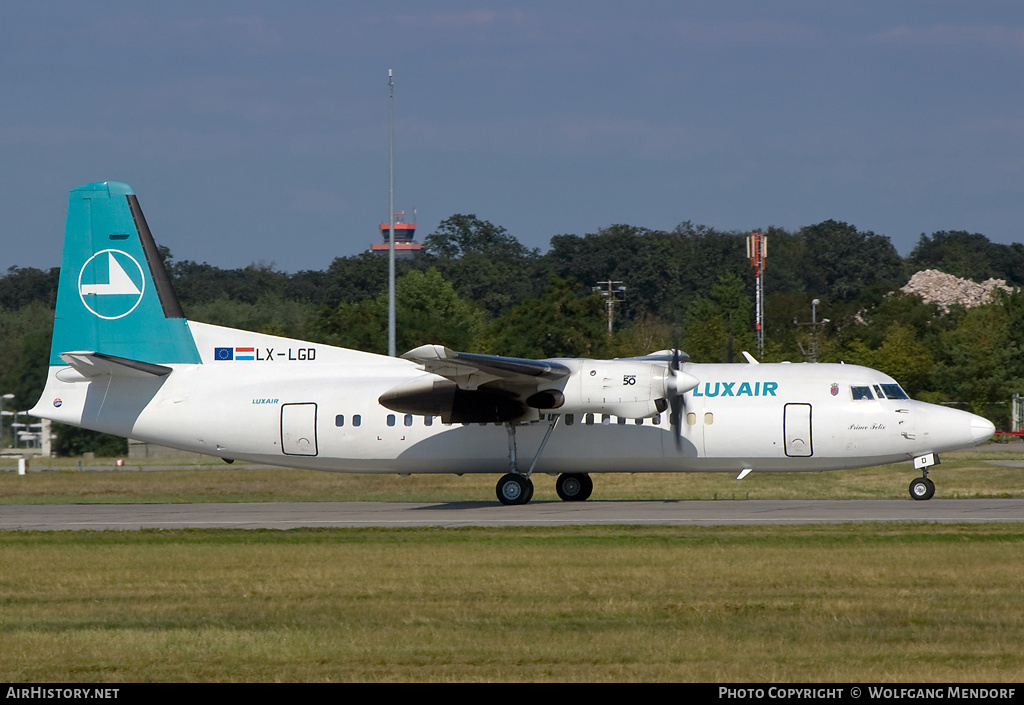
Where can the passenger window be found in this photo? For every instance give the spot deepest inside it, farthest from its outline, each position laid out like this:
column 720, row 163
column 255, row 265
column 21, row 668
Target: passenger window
column 606, row 419
column 356, row 419
column 339, row 420
column 428, row 420
column 589, row 419
column 639, row 422
column 408, row 419
column 621, row 420
column 391, row 419
column 709, row 418
column 656, row 420
column 569, row 419
column 861, row 393
column 691, row 419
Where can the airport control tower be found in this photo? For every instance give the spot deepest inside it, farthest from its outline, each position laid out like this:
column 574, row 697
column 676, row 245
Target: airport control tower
column 404, row 232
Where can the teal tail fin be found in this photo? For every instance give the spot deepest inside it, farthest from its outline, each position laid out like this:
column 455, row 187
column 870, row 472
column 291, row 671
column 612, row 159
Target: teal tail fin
column 114, row 295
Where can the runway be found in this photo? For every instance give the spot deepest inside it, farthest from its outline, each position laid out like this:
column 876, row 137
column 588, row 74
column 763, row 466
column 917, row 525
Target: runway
column 290, row 515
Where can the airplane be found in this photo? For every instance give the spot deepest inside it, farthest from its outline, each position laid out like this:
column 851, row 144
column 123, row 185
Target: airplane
column 126, row 361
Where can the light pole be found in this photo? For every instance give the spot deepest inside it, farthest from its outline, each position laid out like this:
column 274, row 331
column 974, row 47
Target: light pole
column 391, row 205
column 610, row 298
column 813, row 357
column 3, row 398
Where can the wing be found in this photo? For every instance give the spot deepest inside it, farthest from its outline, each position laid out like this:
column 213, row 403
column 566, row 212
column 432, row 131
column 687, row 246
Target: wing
column 471, row 370
column 471, row 388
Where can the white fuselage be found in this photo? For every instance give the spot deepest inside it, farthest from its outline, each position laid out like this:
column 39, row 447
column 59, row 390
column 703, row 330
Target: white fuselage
column 305, row 405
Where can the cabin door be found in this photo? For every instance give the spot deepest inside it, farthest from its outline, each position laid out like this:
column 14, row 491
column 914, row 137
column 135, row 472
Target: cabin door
column 298, row 429
column 796, row 428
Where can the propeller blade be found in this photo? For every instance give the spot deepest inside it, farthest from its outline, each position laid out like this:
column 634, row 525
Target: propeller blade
column 677, row 383
column 676, row 404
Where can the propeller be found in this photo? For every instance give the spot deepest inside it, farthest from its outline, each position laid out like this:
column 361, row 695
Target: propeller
column 677, row 383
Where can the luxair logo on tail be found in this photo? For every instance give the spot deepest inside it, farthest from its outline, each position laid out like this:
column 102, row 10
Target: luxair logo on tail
column 111, row 284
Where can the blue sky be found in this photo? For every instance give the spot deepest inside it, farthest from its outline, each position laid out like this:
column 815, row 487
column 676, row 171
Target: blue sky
column 257, row 131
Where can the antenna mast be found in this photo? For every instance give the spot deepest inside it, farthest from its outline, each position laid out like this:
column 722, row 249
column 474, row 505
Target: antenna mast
column 757, row 251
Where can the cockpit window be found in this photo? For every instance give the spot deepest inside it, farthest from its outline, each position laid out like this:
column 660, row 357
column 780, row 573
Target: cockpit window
column 861, row 393
column 894, row 391
column 890, row 391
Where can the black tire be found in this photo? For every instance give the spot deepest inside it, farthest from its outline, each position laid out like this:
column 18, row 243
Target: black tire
column 574, row 487
column 922, row 488
column 514, row 489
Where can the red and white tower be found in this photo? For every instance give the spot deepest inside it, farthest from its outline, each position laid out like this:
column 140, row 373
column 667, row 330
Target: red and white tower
column 757, row 252
column 404, row 232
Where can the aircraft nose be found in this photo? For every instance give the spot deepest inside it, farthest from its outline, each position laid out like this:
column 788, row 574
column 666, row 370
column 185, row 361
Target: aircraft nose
column 981, row 429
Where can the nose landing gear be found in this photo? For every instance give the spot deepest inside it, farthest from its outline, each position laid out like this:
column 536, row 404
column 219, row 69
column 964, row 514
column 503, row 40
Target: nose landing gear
column 922, row 488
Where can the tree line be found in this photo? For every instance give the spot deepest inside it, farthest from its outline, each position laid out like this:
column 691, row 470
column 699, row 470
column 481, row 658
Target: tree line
column 475, row 287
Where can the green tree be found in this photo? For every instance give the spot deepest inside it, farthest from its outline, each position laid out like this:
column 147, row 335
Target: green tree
column 901, row 355
column 483, row 262
column 427, row 310
column 568, row 321
column 968, row 255
column 720, row 326
column 979, row 359
column 22, row 286
column 842, row 264
column 72, row 441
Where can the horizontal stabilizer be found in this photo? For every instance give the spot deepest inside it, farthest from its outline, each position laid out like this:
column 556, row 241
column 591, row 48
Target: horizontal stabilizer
column 94, row 364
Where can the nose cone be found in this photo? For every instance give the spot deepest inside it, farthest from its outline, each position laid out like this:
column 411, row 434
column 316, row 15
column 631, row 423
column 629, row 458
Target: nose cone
column 944, row 429
column 981, row 429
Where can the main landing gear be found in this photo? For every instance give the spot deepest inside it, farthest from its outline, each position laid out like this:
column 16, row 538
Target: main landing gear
column 574, row 487
column 517, row 488
column 514, row 488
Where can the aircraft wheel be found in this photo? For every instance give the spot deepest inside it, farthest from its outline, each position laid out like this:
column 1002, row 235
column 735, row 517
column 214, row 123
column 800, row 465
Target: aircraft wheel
column 574, row 487
column 922, row 488
column 514, row 489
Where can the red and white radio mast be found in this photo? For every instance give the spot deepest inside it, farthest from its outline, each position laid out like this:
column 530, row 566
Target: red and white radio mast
column 757, row 252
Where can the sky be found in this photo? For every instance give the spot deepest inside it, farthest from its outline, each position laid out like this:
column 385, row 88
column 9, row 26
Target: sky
column 257, row 132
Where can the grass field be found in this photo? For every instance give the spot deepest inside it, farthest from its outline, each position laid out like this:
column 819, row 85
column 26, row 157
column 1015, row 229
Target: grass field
column 844, row 603
column 967, row 474
column 881, row 603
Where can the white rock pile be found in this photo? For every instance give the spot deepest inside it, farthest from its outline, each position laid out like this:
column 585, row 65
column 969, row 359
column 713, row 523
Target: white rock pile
column 947, row 290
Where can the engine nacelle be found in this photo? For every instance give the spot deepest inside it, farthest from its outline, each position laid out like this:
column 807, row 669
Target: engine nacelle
column 435, row 396
column 627, row 388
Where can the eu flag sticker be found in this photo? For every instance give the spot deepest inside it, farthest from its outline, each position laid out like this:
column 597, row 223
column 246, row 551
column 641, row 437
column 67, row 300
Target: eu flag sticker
column 223, row 353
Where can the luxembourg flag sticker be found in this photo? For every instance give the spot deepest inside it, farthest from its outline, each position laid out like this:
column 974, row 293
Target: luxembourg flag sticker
column 234, row 353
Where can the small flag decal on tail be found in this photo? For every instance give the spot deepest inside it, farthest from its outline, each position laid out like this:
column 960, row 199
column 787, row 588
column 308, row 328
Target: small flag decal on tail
column 234, row 353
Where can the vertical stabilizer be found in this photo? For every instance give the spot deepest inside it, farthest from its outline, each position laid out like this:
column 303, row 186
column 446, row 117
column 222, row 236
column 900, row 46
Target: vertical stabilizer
column 114, row 295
